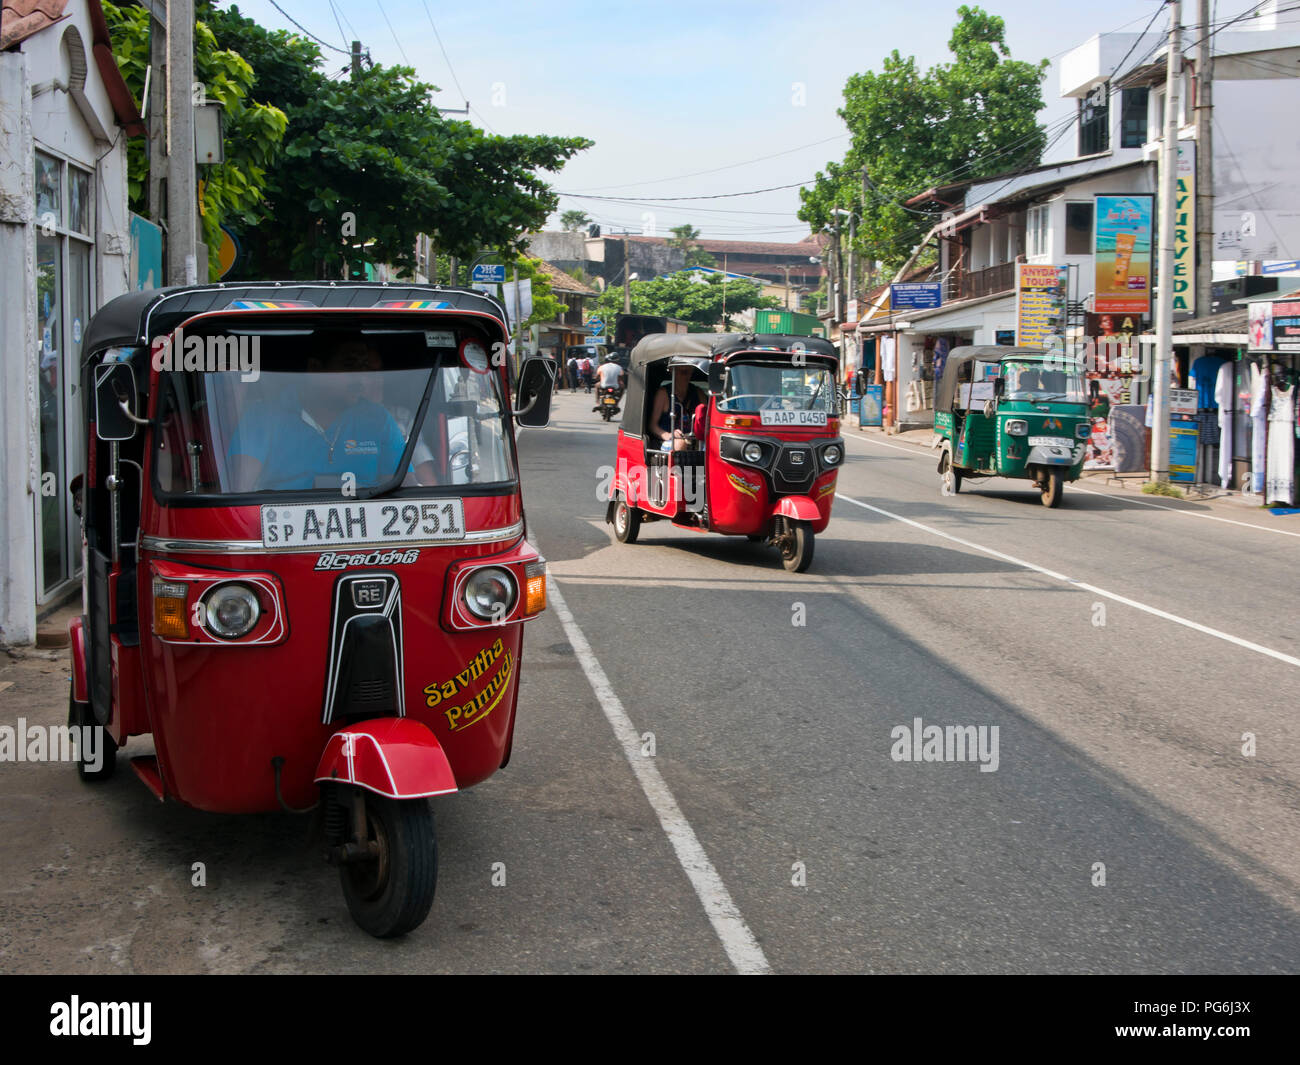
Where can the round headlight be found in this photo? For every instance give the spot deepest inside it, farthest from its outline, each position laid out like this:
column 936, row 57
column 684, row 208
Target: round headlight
column 831, row 456
column 490, row 593
column 1083, row 430
column 752, row 453
column 1015, row 427
column 231, row 611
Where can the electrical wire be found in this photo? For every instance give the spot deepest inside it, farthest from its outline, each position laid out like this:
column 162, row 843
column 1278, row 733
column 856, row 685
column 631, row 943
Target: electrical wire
column 401, row 51
column 318, row 40
column 338, row 22
column 463, row 95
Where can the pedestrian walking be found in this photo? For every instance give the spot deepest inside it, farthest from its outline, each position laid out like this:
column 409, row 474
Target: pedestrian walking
column 573, row 373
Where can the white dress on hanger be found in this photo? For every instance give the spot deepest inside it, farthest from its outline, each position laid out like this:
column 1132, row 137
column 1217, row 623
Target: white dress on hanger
column 1258, row 426
column 1281, row 448
column 1223, row 397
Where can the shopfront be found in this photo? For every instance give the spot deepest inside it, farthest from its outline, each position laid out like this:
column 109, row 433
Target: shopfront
column 1273, row 329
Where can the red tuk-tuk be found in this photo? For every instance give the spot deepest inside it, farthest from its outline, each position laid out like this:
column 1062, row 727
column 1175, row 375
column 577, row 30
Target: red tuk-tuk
column 305, row 565
column 730, row 433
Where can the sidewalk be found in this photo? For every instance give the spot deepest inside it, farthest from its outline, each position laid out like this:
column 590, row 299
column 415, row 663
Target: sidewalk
column 1129, row 484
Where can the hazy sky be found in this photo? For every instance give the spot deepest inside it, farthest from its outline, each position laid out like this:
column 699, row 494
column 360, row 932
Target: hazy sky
column 673, row 88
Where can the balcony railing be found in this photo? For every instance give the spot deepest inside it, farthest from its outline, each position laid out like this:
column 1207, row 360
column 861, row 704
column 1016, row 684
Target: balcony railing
column 1000, row 278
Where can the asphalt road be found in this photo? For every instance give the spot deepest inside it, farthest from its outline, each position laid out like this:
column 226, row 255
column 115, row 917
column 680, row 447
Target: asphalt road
column 1122, row 648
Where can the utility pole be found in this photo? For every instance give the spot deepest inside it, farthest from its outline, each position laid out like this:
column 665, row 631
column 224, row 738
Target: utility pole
column 356, row 60
column 157, row 104
column 182, row 180
column 627, row 280
column 1204, row 162
column 519, row 321
column 1165, row 306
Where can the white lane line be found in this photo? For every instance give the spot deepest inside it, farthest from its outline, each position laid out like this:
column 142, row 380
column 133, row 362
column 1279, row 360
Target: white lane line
column 915, row 449
column 1156, row 611
column 737, row 940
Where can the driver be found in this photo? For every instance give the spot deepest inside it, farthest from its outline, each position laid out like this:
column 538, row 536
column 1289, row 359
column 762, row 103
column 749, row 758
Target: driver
column 317, row 430
column 685, row 398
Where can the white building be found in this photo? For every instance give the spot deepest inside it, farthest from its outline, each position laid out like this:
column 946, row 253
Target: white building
column 65, row 116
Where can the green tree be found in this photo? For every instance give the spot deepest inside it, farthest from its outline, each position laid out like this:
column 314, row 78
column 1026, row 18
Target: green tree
column 699, row 302
column 368, row 163
column 232, row 192
column 573, row 221
column 685, row 237
column 970, row 117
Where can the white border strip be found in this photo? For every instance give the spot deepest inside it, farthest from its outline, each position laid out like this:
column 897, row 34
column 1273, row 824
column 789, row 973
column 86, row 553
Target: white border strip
column 1258, row 648
column 737, row 940
column 916, row 449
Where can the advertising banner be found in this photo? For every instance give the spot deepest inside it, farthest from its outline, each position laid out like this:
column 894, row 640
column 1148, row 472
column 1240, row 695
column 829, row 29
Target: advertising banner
column 1259, row 325
column 1286, row 325
column 916, row 295
column 1182, row 452
column 871, row 406
column 1122, row 252
column 1183, row 269
column 1040, row 305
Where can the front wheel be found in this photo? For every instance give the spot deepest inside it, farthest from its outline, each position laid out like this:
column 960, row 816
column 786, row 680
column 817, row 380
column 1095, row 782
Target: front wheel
column 1052, row 488
column 627, row 522
column 391, row 893
column 97, row 759
column 797, row 546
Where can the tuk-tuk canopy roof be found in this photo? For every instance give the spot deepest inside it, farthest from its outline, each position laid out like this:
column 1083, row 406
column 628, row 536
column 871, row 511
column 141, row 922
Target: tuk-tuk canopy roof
column 700, row 349
column 138, row 316
column 959, row 357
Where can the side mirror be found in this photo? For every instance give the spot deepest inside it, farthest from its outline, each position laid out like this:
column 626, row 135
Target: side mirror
column 114, row 394
column 533, row 403
column 999, row 387
column 717, row 378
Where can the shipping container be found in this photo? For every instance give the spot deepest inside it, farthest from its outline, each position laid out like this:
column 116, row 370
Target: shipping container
column 791, row 323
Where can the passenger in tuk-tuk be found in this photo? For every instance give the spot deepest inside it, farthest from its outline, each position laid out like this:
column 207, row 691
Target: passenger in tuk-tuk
column 686, row 398
column 319, row 430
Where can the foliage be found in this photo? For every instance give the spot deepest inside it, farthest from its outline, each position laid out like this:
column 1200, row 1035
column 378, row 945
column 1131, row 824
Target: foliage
column 368, row 163
column 973, row 116
column 573, row 221
column 231, row 192
column 1162, row 488
column 680, row 295
column 684, row 237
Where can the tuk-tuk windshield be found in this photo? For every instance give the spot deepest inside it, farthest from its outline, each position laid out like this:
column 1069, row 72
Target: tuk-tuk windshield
column 769, row 386
column 340, row 422
column 1039, row 382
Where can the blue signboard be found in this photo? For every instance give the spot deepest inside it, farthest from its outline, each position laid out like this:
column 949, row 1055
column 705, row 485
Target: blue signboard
column 489, row 274
column 869, row 406
column 1182, row 451
column 916, row 295
column 1291, row 267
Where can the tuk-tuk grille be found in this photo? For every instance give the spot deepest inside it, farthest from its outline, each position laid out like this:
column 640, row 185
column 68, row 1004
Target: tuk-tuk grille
column 372, row 691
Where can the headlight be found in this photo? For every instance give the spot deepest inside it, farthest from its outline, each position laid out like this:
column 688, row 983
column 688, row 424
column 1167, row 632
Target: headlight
column 752, row 453
column 231, row 610
column 831, row 455
column 490, row 593
column 1083, row 430
column 1016, row 427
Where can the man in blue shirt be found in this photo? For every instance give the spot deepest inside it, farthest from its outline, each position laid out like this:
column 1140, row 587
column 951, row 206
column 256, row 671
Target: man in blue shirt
column 315, row 433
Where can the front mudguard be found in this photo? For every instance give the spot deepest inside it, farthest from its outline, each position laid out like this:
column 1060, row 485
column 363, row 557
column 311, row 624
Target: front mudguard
column 798, row 508
column 80, row 678
column 1055, row 458
column 392, row 756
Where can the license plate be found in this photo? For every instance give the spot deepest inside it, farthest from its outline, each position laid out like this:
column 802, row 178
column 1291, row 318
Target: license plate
column 1051, row 441
column 792, row 417
column 326, row 524
column 609, row 401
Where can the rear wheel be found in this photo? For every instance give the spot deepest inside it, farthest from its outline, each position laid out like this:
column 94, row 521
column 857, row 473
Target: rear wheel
column 797, row 546
column 950, row 475
column 392, row 892
column 627, row 522
column 93, row 771
column 1053, row 485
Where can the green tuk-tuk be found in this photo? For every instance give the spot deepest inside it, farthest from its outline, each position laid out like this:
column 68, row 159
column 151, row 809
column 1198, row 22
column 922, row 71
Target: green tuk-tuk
column 1011, row 412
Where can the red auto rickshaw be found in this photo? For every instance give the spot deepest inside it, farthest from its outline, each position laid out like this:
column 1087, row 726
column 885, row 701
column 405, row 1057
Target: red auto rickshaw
column 305, row 568
column 730, row 433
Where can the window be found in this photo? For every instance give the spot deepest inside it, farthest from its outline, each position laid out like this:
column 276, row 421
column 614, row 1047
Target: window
column 1036, row 231
column 1133, row 117
column 1094, row 121
column 1078, row 229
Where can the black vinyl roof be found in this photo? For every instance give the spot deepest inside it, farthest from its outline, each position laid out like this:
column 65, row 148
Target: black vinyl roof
column 137, row 316
column 959, row 357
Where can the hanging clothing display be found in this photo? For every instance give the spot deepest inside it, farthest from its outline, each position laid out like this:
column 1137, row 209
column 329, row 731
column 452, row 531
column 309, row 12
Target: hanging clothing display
column 1223, row 397
column 1205, row 374
column 1281, row 447
column 1258, row 426
column 887, row 357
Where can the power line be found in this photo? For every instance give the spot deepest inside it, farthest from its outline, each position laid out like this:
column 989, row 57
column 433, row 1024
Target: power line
column 318, row 40
column 338, row 22
column 668, row 199
column 400, row 49
column 463, row 94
